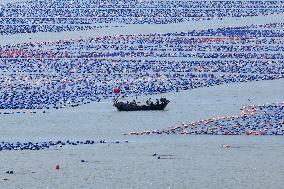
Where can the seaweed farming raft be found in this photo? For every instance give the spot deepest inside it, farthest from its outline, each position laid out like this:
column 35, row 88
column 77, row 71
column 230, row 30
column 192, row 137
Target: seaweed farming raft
column 134, row 106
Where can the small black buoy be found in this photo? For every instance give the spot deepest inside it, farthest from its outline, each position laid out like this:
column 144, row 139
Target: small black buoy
column 10, row 172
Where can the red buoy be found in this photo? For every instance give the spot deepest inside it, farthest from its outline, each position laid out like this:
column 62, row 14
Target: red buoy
column 116, row 90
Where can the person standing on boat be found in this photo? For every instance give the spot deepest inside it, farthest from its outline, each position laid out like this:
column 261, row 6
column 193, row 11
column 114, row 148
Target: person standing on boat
column 134, row 102
column 163, row 100
column 148, row 102
column 157, row 102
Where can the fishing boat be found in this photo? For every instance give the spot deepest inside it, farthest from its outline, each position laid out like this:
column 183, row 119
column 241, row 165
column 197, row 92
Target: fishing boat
column 133, row 106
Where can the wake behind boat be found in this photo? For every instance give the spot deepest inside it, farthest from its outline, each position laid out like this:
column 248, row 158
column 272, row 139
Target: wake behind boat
column 134, row 106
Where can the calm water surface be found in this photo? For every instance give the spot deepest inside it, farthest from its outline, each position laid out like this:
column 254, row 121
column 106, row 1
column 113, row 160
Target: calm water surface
column 185, row 161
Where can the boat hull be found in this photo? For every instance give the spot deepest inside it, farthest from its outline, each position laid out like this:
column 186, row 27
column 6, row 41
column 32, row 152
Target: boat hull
column 129, row 107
